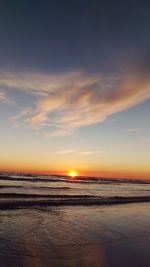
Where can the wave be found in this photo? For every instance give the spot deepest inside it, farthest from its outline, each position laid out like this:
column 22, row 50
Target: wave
column 65, row 200
column 81, row 180
column 27, row 179
column 20, row 195
column 34, row 187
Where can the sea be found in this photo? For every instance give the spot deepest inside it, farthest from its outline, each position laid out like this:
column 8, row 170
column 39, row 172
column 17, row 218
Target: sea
column 59, row 221
column 19, row 190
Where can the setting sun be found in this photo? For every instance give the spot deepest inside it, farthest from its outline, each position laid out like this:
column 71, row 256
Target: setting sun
column 72, row 173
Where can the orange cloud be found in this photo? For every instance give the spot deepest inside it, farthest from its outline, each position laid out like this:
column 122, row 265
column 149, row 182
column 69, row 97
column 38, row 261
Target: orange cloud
column 65, row 102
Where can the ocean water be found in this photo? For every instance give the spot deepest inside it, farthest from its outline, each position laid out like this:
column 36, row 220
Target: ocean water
column 27, row 190
column 52, row 221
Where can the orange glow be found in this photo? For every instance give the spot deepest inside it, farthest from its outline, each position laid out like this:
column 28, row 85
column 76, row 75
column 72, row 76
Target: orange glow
column 40, row 166
column 72, row 173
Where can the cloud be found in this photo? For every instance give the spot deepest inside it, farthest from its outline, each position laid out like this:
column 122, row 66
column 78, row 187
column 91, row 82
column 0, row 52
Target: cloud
column 116, row 119
column 84, row 153
column 64, row 152
column 3, row 97
column 66, row 102
column 131, row 130
column 90, row 152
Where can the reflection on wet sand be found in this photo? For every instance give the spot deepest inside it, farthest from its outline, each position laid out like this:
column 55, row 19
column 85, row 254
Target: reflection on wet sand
column 72, row 237
column 49, row 237
column 69, row 257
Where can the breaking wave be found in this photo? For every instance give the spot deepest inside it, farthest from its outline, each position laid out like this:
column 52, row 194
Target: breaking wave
column 36, row 191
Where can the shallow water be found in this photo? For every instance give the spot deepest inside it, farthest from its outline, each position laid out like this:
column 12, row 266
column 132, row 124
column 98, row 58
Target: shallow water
column 36, row 233
column 76, row 236
column 18, row 190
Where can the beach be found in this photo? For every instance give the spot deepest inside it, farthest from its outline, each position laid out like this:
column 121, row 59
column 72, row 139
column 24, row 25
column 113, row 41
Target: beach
column 104, row 236
column 74, row 133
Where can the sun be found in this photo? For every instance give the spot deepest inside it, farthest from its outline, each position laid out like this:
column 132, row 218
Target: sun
column 72, row 173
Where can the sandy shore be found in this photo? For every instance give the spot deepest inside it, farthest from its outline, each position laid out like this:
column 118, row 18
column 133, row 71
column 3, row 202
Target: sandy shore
column 97, row 236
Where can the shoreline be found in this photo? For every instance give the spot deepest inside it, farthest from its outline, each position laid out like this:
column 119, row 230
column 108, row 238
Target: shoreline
column 20, row 201
column 97, row 236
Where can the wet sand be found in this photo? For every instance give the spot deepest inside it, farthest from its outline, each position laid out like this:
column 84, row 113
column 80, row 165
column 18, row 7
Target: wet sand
column 96, row 236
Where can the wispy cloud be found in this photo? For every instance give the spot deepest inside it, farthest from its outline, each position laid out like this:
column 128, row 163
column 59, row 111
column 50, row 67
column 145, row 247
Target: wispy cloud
column 64, row 152
column 3, row 97
column 132, row 130
column 90, row 152
column 116, row 119
column 65, row 102
column 78, row 152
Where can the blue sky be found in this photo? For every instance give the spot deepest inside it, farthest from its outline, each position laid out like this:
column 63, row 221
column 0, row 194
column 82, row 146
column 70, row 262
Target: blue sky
column 75, row 87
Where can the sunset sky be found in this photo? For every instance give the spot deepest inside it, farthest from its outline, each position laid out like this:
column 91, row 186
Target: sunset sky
column 75, row 87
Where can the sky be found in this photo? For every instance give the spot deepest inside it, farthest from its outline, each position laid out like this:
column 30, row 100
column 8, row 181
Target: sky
column 75, row 87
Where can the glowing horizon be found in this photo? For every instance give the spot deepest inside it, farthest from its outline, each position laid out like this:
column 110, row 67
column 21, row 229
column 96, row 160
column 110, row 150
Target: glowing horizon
column 76, row 93
column 81, row 172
